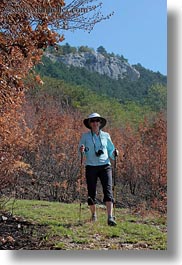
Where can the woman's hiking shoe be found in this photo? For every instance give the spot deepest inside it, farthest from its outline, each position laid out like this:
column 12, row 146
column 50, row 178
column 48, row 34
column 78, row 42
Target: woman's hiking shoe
column 94, row 218
column 111, row 221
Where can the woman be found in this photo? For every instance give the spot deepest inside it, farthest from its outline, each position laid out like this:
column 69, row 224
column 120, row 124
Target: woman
column 98, row 148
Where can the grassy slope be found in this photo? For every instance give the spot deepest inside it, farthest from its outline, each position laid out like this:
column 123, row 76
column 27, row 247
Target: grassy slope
column 65, row 231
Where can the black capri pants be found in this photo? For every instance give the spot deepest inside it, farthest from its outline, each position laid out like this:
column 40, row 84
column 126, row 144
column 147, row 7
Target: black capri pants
column 104, row 173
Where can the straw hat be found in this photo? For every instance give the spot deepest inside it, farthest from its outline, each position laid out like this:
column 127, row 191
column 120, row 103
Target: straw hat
column 92, row 116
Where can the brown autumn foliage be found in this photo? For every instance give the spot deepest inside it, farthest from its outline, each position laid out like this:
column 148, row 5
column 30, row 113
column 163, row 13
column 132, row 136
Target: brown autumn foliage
column 54, row 156
column 144, row 164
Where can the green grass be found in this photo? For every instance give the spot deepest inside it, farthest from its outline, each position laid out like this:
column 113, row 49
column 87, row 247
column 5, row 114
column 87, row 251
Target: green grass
column 66, row 231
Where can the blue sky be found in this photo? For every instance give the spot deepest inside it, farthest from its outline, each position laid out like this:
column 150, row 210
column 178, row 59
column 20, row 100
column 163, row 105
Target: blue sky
column 137, row 30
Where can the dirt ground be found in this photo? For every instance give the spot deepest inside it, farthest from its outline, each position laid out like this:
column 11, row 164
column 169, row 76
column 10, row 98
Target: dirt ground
column 16, row 234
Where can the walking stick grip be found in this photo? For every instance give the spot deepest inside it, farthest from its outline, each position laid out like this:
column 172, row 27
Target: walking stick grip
column 116, row 152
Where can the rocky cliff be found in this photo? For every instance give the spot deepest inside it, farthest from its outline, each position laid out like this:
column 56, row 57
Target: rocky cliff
column 112, row 66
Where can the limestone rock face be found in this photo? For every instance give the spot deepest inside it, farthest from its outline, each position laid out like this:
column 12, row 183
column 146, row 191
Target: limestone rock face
column 111, row 66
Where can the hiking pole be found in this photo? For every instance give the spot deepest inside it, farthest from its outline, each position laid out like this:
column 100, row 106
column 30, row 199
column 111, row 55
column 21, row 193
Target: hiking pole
column 81, row 175
column 114, row 181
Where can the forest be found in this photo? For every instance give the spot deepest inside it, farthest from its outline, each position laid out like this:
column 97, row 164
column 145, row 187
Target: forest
column 41, row 114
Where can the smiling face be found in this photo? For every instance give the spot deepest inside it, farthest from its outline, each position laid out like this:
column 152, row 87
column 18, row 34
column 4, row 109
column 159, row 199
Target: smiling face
column 94, row 124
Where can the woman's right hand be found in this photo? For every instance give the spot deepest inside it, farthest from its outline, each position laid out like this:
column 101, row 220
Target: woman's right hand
column 82, row 148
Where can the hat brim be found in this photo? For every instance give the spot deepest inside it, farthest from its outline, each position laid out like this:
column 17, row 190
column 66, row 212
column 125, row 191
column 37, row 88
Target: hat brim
column 102, row 122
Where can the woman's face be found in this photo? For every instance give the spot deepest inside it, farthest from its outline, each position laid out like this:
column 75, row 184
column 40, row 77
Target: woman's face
column 95, row 124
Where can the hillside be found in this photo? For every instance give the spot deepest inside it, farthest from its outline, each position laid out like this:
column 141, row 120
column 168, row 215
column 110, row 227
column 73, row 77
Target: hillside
column 134, row 83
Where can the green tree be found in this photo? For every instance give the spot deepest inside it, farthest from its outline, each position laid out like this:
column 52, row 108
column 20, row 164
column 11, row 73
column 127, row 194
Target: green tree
column 157, row 97
column 85, row 49
column 102, row 50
